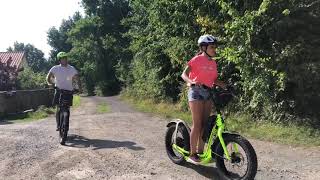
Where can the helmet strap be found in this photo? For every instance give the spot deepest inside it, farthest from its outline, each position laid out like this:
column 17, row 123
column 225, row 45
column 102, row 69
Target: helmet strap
column 207, row 53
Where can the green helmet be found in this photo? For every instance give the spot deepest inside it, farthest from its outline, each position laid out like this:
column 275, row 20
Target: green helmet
column 61, row 55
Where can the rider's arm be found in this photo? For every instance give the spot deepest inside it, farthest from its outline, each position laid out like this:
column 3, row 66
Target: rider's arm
column 185, row 76
column 220, row 84
column 49, row 78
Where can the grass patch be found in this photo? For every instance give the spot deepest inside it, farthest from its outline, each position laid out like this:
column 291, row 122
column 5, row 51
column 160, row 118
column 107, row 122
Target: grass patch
column 164, row 109
column 285, row 134
column 103, row 108
column 41, row 113
column 292, row 134
column 76, row 101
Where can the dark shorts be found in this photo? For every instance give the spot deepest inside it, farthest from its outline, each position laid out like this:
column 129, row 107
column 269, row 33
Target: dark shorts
column 57, row 96
column 196, row 92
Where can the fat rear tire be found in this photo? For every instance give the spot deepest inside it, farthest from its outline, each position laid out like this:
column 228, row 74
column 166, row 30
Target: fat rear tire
column 183, row 141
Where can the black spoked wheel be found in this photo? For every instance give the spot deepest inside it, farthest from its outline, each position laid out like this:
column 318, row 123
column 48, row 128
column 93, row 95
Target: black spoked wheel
column 63, row 136
column 63, row 133
column 243, row 164
column 182, row 140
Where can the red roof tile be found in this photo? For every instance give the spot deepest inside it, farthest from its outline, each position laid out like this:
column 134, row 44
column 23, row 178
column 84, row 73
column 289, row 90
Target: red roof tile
column 16, row 58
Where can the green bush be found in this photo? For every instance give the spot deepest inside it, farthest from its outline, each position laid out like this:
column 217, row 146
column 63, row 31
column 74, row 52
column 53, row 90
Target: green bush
column 275, row 66
column 27, row 79
column 269, row 48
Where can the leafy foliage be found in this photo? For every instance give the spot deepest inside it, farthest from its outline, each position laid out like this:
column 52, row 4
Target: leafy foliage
column 268, row 48
column 265, row 46
column 33, row 76
column 98, row 45
column 28, row 79
column 35, row 57
column 57, row 38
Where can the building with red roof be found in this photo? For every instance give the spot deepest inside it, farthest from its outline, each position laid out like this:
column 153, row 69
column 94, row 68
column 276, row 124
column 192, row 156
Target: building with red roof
column 10, row 64
column 15, row 60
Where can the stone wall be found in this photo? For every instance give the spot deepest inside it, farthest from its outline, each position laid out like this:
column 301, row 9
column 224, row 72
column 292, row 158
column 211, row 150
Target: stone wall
column 21, row 100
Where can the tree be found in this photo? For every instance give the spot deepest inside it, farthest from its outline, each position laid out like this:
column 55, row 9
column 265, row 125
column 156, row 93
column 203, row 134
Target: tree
column 28, row 79
column 35, row 57
column 269, row 37
column 98, row 44
column 57, row 38
column 269, row 48
column 85, row 52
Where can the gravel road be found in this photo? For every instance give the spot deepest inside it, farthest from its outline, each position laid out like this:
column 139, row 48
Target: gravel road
column 125, row 144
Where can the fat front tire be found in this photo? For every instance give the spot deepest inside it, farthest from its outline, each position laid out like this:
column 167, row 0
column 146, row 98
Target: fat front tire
column 63, row 133
column 63, row 136
column 248, row 156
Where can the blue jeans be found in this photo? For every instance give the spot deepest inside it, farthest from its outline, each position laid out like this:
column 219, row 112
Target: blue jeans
column 198, row 92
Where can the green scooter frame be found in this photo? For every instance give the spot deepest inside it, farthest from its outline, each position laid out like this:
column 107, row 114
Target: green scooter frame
column 222, row 147
column 216, row 131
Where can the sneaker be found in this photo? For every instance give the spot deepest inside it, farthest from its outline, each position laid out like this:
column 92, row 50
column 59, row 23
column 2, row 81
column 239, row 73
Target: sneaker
column 58, row 129
column 194, row 159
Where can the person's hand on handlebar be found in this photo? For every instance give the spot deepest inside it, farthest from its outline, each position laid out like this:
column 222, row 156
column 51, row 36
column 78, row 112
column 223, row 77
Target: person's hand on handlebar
column 77, row 91
column 50, row 85
column 221, row 84
column 193, row 82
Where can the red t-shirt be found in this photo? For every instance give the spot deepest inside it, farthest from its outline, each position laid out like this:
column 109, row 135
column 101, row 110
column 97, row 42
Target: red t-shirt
column 203, row 70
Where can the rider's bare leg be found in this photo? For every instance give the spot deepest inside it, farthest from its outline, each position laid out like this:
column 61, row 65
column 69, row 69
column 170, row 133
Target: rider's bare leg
column 197, row 117
column 206, row 113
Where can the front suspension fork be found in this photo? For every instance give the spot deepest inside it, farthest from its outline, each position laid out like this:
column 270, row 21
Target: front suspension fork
column 220, row 125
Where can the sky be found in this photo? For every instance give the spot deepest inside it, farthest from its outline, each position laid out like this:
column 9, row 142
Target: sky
column 28, row 21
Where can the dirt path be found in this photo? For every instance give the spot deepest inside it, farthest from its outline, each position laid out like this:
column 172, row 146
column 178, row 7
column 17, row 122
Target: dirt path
column 124, row 144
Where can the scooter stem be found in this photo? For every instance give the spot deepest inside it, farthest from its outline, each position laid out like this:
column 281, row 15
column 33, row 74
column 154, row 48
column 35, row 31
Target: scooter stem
column 220, row 131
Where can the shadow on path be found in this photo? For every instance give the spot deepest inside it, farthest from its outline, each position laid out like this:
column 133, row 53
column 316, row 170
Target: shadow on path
column 210, row 172
column 5, row 122
column 83, row 142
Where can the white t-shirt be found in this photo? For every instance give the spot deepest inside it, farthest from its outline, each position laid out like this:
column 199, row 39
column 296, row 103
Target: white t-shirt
column 63, row 76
